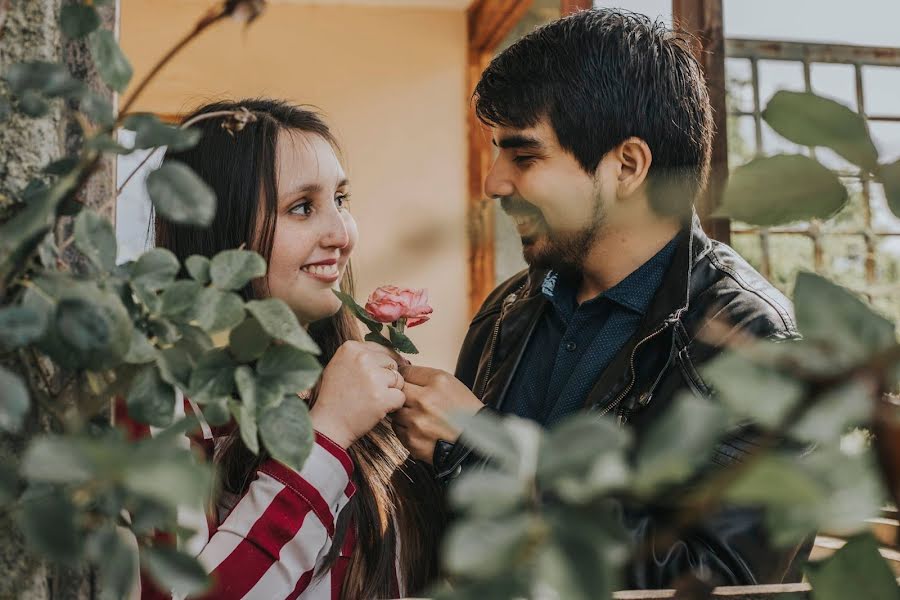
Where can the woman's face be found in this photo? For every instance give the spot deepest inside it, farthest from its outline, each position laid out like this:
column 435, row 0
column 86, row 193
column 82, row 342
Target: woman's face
column 314, row 231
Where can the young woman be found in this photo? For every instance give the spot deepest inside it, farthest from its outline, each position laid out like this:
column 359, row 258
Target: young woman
column 359, row 520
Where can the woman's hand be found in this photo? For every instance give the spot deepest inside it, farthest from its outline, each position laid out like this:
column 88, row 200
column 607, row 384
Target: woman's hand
column 360, row 386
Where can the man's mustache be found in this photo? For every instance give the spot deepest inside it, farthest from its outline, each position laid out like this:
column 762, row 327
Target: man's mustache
column 512, row 205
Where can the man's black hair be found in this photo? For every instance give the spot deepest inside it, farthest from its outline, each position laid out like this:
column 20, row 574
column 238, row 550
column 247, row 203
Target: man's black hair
column 601, row 76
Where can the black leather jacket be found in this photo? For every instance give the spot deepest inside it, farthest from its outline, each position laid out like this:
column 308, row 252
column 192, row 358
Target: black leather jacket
column 706, row 279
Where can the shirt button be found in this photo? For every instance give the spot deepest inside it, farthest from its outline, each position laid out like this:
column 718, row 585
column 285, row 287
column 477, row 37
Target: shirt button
column 571, row 346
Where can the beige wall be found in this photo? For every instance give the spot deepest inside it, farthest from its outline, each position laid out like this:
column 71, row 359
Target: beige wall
column 391, row 82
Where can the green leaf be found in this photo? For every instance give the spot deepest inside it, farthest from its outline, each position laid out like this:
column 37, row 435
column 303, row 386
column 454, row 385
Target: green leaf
column 487, row 493
column 216, row 412
column 103, row 142
column 111, row 63
column 482, row 548
column 359, row 311
column 116, row 559
column 485, row 433
column 782, row 189
column 56, row 459
column 20, row 326
column 215, row 310
column 97, row 108
column 810, row 120
column 83, row 325
column 78, row 20
column 572, row 567
column 847, row 405
column 175, row 365
column 752, row 391
column 96, row 239
column 279, row 321
column 257, row 393
column 163, row 329
column 180, row 297
column 889, row 175
column 198, row 267
column 49, row 522
column 378, row 338
column 280, row 358
column 852, row 492
column 212, row 377
column 678, row 442
column 140, row 351
column 193, row 340
column 248, row 341
column 292, row 370
column 173, row 480
column 15, row 404
column 836, row 319
column 91, row 328
column 24, row 232
column 287, row 432
column 32, row 104
column 234, row 269
column 773, row 481
column 175, row 570
column 150, row 132
column 155, row 269
column 180, row 195
column 583, row 457
column 400, row 342
column 49, row 79
column 150, row 399
column 246, row 420
column 9, row 484
column 61, row 166
column 855, row 571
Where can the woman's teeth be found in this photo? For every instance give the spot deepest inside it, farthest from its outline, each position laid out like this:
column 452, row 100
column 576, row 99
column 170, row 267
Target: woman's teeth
column 324, row 270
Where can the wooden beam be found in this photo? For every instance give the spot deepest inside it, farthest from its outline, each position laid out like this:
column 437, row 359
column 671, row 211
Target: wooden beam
column 703, row 20
column 489, row 22
column 567, row 7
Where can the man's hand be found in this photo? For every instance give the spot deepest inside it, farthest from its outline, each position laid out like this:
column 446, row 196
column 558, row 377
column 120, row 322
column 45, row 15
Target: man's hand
column 431, row 396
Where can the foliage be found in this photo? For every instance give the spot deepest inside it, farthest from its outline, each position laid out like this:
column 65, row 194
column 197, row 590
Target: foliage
column 541, row 519
column 98, row 330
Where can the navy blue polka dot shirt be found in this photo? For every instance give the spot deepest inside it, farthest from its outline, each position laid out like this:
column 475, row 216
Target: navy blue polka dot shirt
column 573, row 344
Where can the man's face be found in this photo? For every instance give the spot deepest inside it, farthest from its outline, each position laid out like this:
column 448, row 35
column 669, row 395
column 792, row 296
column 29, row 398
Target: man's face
column 558, row 208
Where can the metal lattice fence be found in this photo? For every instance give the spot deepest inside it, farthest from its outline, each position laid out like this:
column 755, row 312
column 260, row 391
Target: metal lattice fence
column 860, row 247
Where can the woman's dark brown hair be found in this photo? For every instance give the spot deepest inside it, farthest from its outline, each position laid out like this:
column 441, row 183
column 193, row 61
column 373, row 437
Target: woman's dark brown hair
column 396, row 497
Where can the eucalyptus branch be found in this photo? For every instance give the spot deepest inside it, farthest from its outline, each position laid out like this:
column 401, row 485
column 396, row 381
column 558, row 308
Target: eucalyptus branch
column 185, row 125
column 709, row 498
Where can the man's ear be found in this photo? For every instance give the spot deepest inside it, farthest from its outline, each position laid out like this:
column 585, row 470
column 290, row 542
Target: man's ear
column 634, row 158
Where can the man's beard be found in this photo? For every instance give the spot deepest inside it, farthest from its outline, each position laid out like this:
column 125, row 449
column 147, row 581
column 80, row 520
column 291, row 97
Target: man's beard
column 560, row 251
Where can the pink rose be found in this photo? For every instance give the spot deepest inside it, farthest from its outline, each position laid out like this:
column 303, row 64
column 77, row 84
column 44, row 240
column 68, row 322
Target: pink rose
column 389, row 304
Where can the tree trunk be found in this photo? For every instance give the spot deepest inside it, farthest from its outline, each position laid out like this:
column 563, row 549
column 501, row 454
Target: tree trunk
column 29, row 30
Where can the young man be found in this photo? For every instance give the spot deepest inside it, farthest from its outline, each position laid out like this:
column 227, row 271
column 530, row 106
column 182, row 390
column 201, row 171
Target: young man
column 604, row 127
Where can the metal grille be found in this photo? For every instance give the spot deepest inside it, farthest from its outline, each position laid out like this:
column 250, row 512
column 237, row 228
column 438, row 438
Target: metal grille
column 856, row 237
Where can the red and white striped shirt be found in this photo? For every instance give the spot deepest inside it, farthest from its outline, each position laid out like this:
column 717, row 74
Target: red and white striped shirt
column 271, row 542
column 274, row 539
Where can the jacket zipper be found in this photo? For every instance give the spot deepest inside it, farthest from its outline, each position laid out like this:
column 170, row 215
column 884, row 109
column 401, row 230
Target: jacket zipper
column 495, row 333
column 631, row 382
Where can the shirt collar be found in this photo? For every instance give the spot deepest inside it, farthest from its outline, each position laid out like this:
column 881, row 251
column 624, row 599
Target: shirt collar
column 635, row 292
